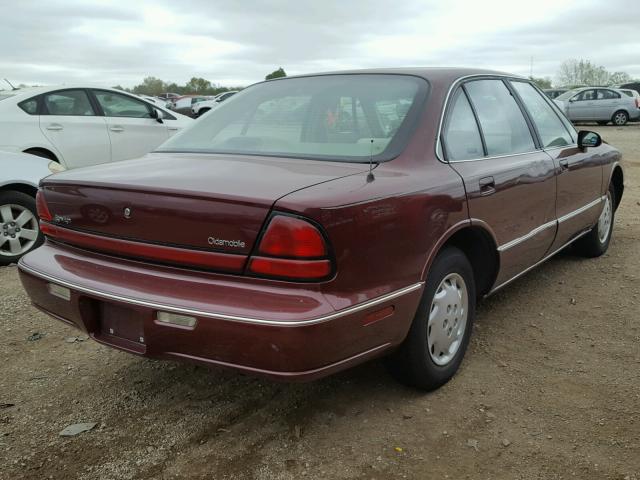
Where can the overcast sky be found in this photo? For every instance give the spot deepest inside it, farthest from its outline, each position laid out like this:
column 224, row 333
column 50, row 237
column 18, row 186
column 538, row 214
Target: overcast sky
column 239, row 42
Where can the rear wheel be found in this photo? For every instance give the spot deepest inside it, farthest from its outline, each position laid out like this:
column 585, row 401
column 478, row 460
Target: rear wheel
column 19, row 231
column 438, row 338
column 203, row 111
column 620, row 118
column 596, row 242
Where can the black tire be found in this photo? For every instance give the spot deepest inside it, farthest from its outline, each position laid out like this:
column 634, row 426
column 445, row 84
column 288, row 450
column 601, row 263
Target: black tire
column 593, row 244
column 27, row 202
column 202, row 112
column 603, row 123
column 620, row 118
column 413, row 363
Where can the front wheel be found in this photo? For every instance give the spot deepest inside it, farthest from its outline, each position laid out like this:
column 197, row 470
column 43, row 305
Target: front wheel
column 596, row 242
column 438, row 338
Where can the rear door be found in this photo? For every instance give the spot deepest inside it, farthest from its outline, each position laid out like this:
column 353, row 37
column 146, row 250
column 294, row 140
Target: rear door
column 607, row 102
column 132, row 130
column 69, row 121
column 510, row 181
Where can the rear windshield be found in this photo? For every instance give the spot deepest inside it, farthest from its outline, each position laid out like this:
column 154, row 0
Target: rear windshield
column 329, row 117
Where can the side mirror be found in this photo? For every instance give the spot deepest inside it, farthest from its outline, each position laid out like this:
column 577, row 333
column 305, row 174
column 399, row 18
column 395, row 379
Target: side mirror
column 157, row 114
column 588, row 139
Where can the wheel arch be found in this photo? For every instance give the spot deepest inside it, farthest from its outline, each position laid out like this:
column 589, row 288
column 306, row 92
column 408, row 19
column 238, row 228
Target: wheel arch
column 617, row 178
column 478, row 243
column 42, row 152
column 20, row 187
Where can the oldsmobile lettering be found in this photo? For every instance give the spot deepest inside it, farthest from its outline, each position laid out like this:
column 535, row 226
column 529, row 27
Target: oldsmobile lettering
column 221, row 242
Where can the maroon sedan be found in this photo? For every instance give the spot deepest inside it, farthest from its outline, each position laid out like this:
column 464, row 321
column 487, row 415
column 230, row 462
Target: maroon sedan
column 312, row 223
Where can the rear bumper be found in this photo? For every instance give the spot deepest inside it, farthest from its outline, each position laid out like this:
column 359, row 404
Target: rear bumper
column 276, row 329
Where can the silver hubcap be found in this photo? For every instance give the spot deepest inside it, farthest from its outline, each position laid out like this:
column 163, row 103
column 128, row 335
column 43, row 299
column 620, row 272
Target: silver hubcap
column 18, row 230
column 447, row 319
column 620, row 119
column 604, row 222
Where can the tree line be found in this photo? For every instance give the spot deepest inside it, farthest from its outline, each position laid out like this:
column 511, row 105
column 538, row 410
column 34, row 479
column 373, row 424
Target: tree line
column 196, row 86
column 583, row 73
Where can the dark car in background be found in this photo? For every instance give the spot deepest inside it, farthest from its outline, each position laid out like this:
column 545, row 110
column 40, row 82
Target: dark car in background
column 317, row 222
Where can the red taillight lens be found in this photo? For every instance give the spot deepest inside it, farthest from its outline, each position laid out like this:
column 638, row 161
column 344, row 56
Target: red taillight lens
column 292, row 237
column 42, row 208
column 292, row 248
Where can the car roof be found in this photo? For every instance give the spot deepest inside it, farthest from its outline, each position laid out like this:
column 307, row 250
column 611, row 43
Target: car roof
column 32, row 91
column 434, row 74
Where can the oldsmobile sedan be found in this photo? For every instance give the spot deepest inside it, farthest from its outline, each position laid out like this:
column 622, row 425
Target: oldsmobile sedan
column 317, row 222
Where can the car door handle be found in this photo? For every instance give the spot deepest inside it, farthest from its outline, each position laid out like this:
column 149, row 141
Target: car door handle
column 55, row 127
column 116, row 128
column 564, row 165
column 487, row 185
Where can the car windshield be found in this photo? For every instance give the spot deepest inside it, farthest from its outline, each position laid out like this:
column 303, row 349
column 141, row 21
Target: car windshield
column 329, row 117
column 568, row 95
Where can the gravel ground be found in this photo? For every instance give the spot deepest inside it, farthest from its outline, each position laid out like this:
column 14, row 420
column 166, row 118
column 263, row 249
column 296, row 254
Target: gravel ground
column 550, row 389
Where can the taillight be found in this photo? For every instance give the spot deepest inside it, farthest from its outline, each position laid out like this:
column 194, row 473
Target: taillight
column 42, row 208
column 291, row 248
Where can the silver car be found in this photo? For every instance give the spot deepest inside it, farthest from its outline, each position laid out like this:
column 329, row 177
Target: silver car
column 598, row 104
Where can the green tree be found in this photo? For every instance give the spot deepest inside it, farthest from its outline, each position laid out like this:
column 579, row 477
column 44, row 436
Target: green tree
column 150, row 86
column 279, row 73
column 199, row 85
column 619, row 78
column 541, row 82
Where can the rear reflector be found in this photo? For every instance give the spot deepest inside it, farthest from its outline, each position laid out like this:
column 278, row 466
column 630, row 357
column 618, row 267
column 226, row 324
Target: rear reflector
column 42, row 208
column 127, row 248
column 176, row 319
column 59, row 291
column 293, row 269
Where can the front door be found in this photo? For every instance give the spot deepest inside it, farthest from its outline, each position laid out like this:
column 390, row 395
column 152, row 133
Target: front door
column 579, row 174
column 132, row 129
column 69, row 122
column 582, row 106
column 510, row 182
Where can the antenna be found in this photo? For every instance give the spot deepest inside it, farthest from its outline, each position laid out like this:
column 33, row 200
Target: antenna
column 12, row 87
column 370, row 177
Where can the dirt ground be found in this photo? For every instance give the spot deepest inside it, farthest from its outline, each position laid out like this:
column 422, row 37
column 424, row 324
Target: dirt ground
column 549, row 389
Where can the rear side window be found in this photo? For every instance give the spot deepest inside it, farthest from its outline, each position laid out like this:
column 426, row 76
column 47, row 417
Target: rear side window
column 68, row 102
column 30, row 106
column 607, row 95
column 461, row 135
column 116, row 105
column 585, row 96
column 504, row 127
column 550, row 128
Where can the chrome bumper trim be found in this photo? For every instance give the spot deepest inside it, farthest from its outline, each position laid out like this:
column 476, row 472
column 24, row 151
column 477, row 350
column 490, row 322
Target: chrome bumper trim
column 220, row 316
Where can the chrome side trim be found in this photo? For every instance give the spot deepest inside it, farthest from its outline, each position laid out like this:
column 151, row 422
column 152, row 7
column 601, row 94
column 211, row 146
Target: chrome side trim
column 220, row 316
column 507, row 282
column 580, row 210
column 491, row 157
column 537, row 230
column 526, row 237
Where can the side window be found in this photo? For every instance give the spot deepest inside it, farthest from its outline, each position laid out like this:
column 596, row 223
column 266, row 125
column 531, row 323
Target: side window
column 504, row 128
column 550, row 128
column 30, row 106
column 607, row 95
column 68, row 102
column 585, row 95
column 461, row 135
column 116, row 105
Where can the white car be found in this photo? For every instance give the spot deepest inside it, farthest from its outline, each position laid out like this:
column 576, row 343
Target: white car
column 201, row 108
column 19, row 178
column 78, row 126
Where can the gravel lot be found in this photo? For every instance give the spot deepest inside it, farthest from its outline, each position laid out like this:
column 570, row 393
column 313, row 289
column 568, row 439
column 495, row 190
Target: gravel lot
column 550, row 388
